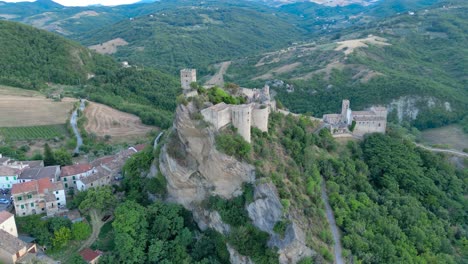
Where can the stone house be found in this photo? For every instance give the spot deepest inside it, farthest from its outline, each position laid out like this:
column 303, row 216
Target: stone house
column 373, row 120
column 50, row 172
column 8, row 177
column 71, row 174
column 38, row 196
column 100, row 177
column 12, row 249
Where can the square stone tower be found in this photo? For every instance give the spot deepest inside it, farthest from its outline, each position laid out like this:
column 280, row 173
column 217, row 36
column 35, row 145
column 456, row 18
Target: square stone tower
column 346, row 112
column 187, row 76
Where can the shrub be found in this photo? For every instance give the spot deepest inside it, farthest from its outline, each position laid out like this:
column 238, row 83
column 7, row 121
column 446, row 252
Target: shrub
column 233, row 145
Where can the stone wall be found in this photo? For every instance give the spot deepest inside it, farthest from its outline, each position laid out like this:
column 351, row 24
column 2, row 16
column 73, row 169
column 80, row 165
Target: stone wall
column 241, row 116
column 260, row 118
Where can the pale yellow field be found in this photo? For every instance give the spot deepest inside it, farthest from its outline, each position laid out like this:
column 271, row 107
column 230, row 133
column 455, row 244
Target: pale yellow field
column 19, row 107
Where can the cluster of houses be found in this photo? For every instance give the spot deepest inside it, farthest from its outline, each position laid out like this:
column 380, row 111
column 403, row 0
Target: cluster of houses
column 37, row 189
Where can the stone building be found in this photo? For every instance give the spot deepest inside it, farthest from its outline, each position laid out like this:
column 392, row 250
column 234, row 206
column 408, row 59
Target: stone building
column 373, row 120
column 38, row 196
column 253, row 114
column 187, row 76
column 12, row 249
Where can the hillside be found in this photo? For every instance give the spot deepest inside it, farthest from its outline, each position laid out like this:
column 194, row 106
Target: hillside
column 413, row 63
column 196, row 35
column 31, row 57
column 39, row 60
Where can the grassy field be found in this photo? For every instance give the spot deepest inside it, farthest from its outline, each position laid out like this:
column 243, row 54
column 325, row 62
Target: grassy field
column 451, row 136
column 21, row 107
column 33, row 132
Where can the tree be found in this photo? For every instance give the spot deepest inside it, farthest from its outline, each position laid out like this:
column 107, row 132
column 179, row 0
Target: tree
column 99, row 199
column 61, row 237
column 62, row 157
column 81, row 230
column 49, row 158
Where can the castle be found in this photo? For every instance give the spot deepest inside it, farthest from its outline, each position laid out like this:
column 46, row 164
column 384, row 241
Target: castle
column 187, row 76
column 358, row 123
column 255, row 113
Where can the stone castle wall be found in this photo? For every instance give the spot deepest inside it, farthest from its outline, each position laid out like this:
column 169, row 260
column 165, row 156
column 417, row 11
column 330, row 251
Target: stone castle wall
column 260, row 118
column 241, row 116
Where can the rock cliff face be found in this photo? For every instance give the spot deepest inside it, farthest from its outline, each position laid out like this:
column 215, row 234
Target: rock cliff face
column 265, row 212
column 200, row 170
column 409, row 107
column 195, row 170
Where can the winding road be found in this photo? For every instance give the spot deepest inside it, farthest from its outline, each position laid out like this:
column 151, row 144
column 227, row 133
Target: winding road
column 449, row 151
column 74, row 125
column 337, row 249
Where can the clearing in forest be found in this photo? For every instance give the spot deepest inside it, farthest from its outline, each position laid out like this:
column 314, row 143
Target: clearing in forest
column 109, row 47
column 348, row 46
column 104, row 120
column 20, row 107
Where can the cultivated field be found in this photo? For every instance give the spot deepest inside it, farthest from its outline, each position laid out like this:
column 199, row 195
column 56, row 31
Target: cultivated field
column 452, row 136
column 109, row 47
column 104, row 120
column 33, row 132
column 19, row 108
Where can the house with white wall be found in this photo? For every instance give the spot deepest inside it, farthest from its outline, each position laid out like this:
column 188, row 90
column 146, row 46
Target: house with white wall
column 71, row 174
column 8, row 177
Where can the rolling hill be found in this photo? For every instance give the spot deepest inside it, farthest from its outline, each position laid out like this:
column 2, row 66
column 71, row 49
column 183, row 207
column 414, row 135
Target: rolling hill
column 39, row 60
column 412, row 62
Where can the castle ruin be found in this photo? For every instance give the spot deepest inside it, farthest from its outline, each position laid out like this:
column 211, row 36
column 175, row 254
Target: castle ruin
column 253, row 114
column 373, row 120
column 187, row 76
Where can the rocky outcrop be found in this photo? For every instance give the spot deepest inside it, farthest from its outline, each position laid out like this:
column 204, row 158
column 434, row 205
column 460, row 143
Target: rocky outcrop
column 210, row 219
column 265, row 211
column 202, row 170
column 409, row 107
column 237, row 258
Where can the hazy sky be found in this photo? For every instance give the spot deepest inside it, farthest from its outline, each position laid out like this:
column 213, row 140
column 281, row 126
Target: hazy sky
column 84, row 2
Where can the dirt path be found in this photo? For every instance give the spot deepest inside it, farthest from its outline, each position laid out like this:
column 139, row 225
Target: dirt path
column 337, row 249
column 449, row 151
column 218, row 78
column 97, row 224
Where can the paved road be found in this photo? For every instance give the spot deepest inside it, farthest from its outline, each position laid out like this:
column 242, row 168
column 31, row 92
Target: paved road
column 449, row 151
column 73, row 123
column 156, row 141
column 337, row 249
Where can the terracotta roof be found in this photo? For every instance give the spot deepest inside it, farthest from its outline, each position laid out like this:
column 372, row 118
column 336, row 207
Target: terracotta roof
column 139, row 147
column 103, row 161
column 10, row 243
column 101, row 173
column 4, row 215
column 89, row 255
column 45, row 184
column 24, row 187
column 7, row 171
column 75, row 169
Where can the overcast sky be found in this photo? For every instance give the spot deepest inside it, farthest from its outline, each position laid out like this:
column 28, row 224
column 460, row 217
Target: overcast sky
column 84, row 2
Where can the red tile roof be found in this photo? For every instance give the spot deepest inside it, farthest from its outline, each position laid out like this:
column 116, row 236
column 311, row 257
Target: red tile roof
column 89, row 255
column 45, row 183
column 4, row 215
column 24, row 187
column 75, row 169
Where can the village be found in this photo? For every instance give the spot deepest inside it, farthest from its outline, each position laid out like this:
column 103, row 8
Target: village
column 30, row 188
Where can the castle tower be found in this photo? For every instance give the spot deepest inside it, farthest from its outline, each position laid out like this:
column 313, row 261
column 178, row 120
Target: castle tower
column 260, row 117
column 346, row 112
column 242, row 119
column 187, row 76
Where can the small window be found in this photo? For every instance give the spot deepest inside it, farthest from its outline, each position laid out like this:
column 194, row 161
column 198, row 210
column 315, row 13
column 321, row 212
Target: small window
column 22, row 206
column 58, row 204
column 32, row 204
column 73, row 177
column 29, row 196
column 66, row 185
column 20, row 198
column 74, row 182
column 42, row 209
column 56, row 192
column 7, row 178
column 91, row 184
column 64, row 179
column 14, row 178
column 58, row 199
